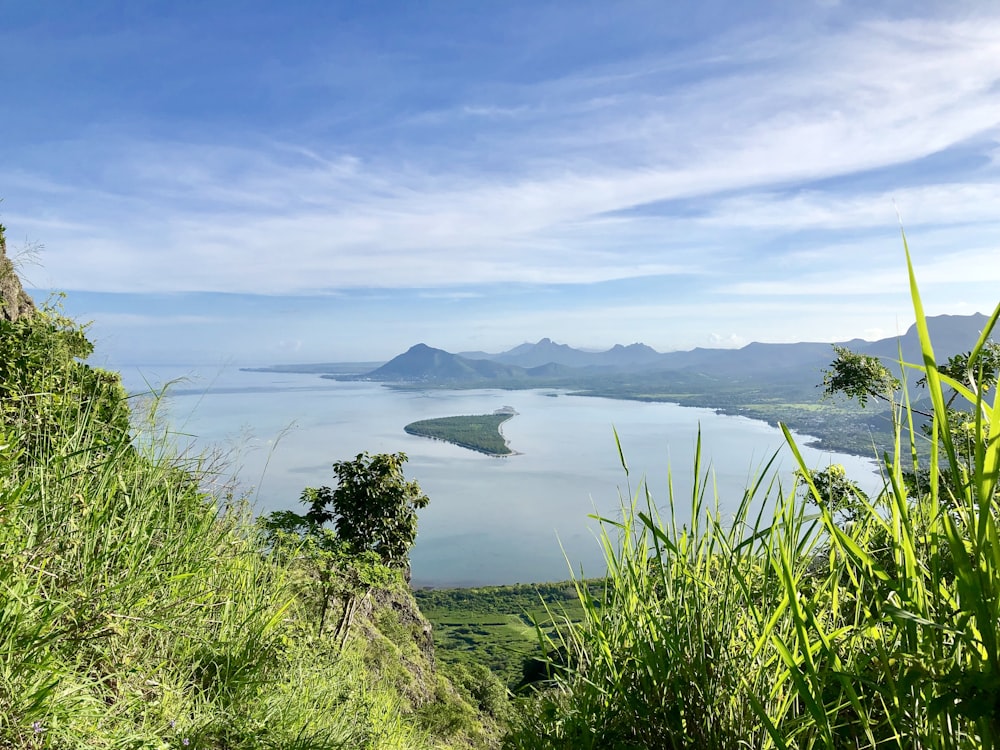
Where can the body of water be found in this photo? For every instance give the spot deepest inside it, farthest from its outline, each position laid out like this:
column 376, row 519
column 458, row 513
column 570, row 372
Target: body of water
column 490, row 520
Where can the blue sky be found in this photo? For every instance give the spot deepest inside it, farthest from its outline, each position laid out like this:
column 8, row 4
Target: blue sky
column 256, row 182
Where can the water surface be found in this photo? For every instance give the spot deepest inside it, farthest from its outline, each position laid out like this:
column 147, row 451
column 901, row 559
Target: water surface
column 490, row 520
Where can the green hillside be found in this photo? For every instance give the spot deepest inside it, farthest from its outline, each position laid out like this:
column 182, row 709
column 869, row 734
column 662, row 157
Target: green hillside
column 139, row 610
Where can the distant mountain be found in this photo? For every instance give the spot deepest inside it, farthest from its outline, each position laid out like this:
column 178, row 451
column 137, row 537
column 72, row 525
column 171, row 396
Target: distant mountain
column 753, row 359
column 551, row 370
column 755, row 362
column 950, row 335
column 425, row 363
column 549, row 363
column 546, row 351
column 633, row 354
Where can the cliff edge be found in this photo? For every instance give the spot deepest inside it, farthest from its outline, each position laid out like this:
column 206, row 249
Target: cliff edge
column 14, row 301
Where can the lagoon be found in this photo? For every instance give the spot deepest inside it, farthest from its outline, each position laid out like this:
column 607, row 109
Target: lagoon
column 517, row 519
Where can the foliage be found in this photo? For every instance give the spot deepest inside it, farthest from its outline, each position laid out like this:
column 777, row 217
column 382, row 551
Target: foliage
column 139, row 611
column 45, row 387
column 783, row 627
column 329, row 571
column 980, row 373
column 831, row 489
column 859, row 376
column 661, row 657
column 969, row 373
column 374, row 508
column 484, row 689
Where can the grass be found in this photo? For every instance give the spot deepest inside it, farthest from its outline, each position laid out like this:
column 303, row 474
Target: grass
column 791, row 629
column 138, row 610
column 497, row 626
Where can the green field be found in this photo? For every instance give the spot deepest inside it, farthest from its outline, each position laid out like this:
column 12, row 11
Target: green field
column 495, row 625
column 478, row 432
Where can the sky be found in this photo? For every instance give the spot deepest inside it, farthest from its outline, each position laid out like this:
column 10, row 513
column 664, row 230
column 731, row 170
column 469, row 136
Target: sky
column 256, row 182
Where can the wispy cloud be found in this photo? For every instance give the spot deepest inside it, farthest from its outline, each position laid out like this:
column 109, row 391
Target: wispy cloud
column 232, row 217
column 138, row 320
column 762, row 162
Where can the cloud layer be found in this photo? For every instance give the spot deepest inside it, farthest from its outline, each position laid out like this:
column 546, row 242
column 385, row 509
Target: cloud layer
column 737, row 169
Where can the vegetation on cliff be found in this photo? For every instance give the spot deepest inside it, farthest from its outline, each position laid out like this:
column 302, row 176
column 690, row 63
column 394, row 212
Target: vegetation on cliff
column 14, row 303
column 139, row 610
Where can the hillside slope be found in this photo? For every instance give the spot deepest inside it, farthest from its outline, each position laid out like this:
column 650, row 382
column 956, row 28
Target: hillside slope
column 140, row 610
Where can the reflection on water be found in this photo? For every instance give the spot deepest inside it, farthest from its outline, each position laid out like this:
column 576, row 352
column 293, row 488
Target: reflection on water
column 491, row 520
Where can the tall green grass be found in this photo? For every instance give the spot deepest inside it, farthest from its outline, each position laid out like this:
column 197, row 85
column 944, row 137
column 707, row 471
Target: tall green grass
column 792, row 630
column 139, row 610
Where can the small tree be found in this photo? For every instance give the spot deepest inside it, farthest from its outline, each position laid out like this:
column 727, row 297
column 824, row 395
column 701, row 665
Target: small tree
column 831, row 489
column 374, row 508
column 859, row 376
column 374, row 513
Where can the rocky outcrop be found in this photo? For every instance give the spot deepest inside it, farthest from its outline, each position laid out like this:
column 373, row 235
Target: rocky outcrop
column 398, row 642
column 14, row 302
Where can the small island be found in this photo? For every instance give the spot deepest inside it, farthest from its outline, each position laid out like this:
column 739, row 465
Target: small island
column 477, row 432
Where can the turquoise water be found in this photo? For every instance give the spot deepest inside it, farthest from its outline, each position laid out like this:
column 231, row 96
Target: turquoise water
column 490, row 520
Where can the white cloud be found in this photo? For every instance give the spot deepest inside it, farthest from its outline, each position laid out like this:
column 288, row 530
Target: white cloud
column 951, row 203
column 491, row 111
column 276, row 217
column 726, row 341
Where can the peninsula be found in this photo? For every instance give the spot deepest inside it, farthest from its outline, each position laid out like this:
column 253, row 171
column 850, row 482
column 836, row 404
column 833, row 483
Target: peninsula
column 477, row 432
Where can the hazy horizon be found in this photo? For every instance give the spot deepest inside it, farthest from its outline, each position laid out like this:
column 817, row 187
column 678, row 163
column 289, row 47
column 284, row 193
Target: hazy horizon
column 230, row 362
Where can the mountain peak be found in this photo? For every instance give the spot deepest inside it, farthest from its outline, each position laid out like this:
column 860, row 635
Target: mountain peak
column 422, row 363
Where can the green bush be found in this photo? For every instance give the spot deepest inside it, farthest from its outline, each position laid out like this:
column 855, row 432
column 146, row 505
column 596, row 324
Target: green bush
column 47, row 393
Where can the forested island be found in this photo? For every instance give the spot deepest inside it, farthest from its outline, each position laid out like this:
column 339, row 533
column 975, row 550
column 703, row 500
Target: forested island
column 477, row 432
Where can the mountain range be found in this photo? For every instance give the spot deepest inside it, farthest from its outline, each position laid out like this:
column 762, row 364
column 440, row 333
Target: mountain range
column 547, row 360
column 776, row 383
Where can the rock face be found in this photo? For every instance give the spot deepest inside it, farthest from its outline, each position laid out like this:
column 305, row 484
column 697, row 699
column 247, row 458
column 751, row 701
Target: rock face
column 399, row 641
column 14, row 302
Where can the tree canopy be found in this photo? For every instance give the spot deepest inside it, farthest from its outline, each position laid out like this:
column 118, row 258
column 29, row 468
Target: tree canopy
column 832, row 489
column 859, row 376
column 373, row 508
